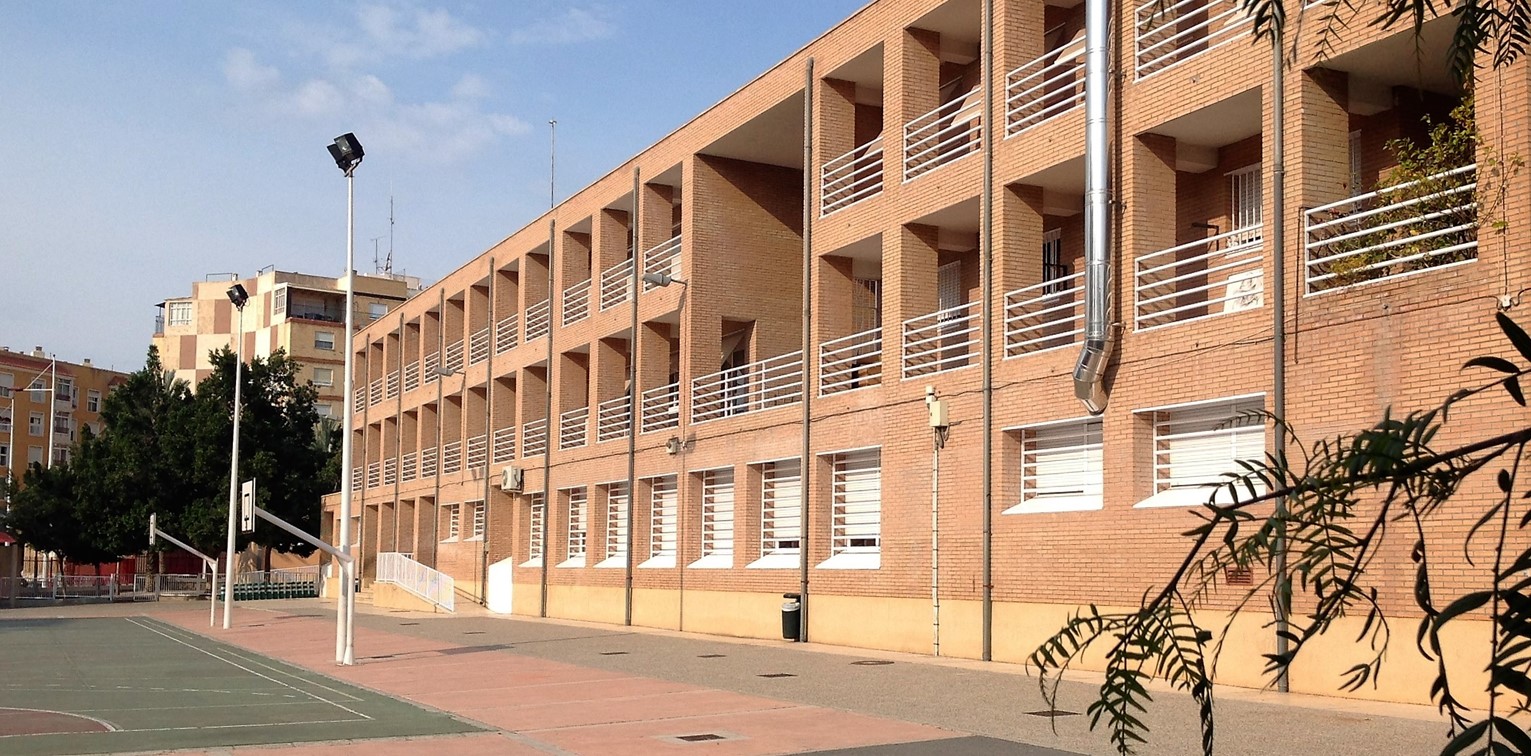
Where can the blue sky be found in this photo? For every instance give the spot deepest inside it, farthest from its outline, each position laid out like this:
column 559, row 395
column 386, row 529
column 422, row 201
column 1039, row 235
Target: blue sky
column 146, row 145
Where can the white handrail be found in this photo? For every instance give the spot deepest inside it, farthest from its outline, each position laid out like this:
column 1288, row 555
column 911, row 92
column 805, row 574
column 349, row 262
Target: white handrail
column 410, row 467
column 430, row 367
column 428, row 462
column 1171, row 33
column 940, row 341
column 1045, row 88
column 375, row 391
column 478, row 346
column 391, row 386
column 943, row 135
column 478, row 451
column 616, row 284
column 851, row 362
column 663, row 257
column 538, row 321
column 613, row 419
column 411, row 376
column 1044, row 316
column 1191, row 280
column 452, row 361
column 851, row 178
column 760, row 385
column 374, row 474
column 451, row 458
column 576, row 302
column 505, row 444
column 505, row 333
column 661, row 408
column 573, row 427
column 438, row 588
column 390, row 471
column 534, row 438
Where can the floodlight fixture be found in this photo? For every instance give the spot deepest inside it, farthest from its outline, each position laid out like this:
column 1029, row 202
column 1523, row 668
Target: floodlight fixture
column 238, row 296
column 347, row 152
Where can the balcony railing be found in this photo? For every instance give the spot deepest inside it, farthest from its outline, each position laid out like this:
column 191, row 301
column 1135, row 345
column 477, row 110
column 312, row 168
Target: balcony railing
column 391, row 386
column 430, row 367
column 576, row 302
column 851, row 178
column 851, row 362
column 374, row 474
column 428, row 462
column 356, row 479
column 506, row 332
column 1212, row 276
column 613, row 419
column 538, row 321
column 616, row 284
column 375, row 391
column 409, row 467
column 359, row 397
column 1170, row 32
column 411, row 377
column 390, row 471
column 1044, row 88
column 478, row 346
column 941, row 341
column 505, row 444
column 451, row 362
column 478, row 451
column 943, row 135
column 660, row 408
column 662, row 258
column 451, row 458
column 1393, row 231
column 534, row 438
column 1044, row 316
column 573, row 428
column 762, row 385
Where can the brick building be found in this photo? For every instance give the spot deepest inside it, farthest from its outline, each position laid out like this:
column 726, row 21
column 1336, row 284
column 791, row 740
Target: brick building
column 301, row 313
column 759, row 461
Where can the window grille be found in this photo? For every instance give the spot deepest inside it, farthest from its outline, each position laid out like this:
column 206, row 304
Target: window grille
column 718, row 512
column 1246, row 204
column 7, row 382
column 480, row 518
column 1052, row 259
column 578, row 524
column 949, row 288
column 5, row 455
column 538, row 528
column 664, row 511
column 1195, row 446
column 866, row 304
column 616, row 520
column 279, row 302
column 856, row 516
column 454, row 521
column 93, row 401
column 1062, row 466
column 180, row 313
column 5, row 420
column 781, row 507
column 1357, row 186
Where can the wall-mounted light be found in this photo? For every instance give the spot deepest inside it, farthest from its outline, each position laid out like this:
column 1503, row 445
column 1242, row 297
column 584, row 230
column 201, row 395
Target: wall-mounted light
column 661, row 279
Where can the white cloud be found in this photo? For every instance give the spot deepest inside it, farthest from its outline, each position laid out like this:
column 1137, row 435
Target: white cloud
column 470, row 87
column 415, row 33
column 574, row 25
column 241, row 70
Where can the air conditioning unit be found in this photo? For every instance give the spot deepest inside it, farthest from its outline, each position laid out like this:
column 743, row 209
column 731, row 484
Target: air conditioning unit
column 512, row 479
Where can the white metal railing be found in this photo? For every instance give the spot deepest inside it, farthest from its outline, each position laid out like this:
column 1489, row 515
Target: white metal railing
column 451, row 362
column 391, row 385
column 616, row 284
column 534, row 438
column 375, row 391
column 505, row 333
column 390, row 471
column 478, row 346
column 761, row 385
column 1045, row 88
column 660, row 408
column 430, row 367
column 478, row 451
column 505, row 444
column 943, row 135
column 374, row 474
column 613, row 419
column 662, row 258
column 428, row 462
column 359, row 397
column 576, row 302
column 356, row 479
column 451, row 458
column 1212, row 276
column 537, row 320
column 436, row 587
column 1044, row 316
column 851, row 178
column 411, row 376
column 941, row 341
column 850, row 362
column 409, row 467
column 1168, row 32
column 1393, row 231
column 572, row 428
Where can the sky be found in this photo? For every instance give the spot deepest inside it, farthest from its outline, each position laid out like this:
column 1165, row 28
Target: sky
column 147, row 145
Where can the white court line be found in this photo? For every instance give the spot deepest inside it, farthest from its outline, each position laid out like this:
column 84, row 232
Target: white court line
column 108, row 725
column 255, row 659
column 231, row 663
column 207, row 727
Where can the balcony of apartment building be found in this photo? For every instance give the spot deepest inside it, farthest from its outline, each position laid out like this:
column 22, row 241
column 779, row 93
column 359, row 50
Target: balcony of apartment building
column 1043, row 259
column 848, row 310
column 571, row 398
column 609, row 368
column 1169, row 33
column 939, row 82
column 502, row 423
column 533, row 414
column 536, row 318
column 409, row 357
column 507, row 298
column 612, row 253
column 849, row 138
column 454, row 337
column 659, row 376
column 480, row 322
column 1201, row 172
column 409, row 447
column 936, row 291
column 1048, row 82
column 1403, row 139
column 476, row 432
column 746, row 382
column 574, row 281
column 451, row 458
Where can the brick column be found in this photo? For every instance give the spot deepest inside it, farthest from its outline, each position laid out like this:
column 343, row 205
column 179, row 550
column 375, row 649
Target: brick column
column 909, row 286
column 1018, row 213
column 1148, row 178
column 834, row 129
column 609, row 245
column 911, row 81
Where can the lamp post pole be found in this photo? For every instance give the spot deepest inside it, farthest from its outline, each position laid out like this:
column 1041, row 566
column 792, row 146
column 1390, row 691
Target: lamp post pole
column 238, row 296
column 347, row 152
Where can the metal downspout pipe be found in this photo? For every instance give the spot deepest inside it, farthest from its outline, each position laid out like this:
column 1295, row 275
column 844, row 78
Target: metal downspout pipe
column 547, row 450
column 634, row 416
column 1278, row 338
column 1099, row 337
column 986, row 222
column 483, row 572
column 806, row 465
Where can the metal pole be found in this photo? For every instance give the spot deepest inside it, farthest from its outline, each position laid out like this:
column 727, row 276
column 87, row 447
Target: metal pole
column 1278, row 341
column 550, row 431
column 986, row 224
column 806, row 465
column 483, row 585
column 552, row 175
column 228, row 581
column 344, row 610
column 52, row 401
column 632, row 395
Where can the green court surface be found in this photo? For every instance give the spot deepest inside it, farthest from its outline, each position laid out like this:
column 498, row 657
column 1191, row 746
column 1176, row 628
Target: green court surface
column 135, row 684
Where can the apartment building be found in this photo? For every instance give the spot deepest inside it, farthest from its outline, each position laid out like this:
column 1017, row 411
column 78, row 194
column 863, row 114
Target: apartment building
column 45, row 403
column 301, row 313
column 709, row 378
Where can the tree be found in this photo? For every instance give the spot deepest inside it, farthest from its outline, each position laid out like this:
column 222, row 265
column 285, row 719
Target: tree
column 47, row 513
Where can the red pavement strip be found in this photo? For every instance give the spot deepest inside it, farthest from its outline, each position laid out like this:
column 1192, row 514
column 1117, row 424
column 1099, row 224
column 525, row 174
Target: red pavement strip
column 543, row 706
column 40, row 722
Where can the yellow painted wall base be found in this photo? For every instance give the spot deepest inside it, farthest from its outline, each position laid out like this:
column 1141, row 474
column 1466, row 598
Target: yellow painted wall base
column 390, row 596
column 655, row 608
column 582, row 602
column 741, row 615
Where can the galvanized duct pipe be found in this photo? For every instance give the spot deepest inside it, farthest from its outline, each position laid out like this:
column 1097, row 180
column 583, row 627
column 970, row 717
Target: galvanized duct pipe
column 548, row 495
column 1099, row 338
column 806, row 466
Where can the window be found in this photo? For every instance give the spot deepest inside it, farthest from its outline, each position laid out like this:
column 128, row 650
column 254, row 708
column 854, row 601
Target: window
column 480, row 519
column 356, row 532
column 866, row 304
column 453, row 514
column 60, row 455
column 1062, row 468
column 324, row 340
column 34, row 455
column 93, row 401
column 855, row 516
column 949, row 292
column 1357, row 184
column 5, row 455
column 63, row 388
column 324, row 376
column 616, row 525
column 179, row 313
column 781, row 513
column 63, row 422
column 1196, row 445
column 536, row 531
column 579, row 527
column 1245, row 205
column 5, row 420
column 664, row 512
column 376, row 310
column 1052, row 260
column 279, row 302
column 717, row 519
column 323, row 410
column 7, row 382
column 35, row 424
column 39, row 391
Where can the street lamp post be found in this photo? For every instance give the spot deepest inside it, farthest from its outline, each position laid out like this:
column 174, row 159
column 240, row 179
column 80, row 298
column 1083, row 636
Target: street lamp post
column 347, row 152
column 238, row 296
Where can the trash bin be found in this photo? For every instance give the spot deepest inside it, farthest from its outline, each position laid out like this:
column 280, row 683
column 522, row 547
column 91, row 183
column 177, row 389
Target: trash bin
column 791, row 616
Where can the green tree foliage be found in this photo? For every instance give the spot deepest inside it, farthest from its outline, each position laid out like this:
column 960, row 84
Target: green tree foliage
column 47, row 513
